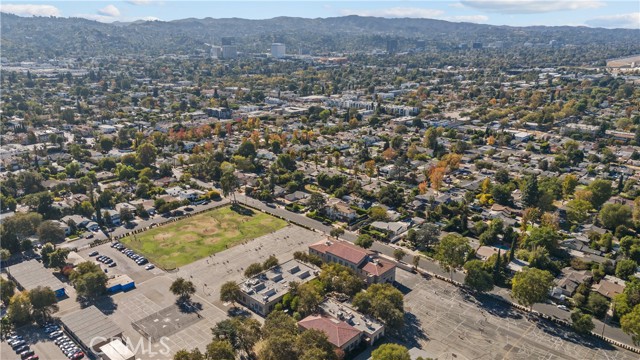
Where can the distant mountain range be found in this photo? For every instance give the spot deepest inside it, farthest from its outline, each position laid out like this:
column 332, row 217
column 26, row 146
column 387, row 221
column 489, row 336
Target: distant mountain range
column 28, row 38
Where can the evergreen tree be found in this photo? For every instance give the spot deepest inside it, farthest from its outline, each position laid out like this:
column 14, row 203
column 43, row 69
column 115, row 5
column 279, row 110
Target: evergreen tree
column 620, row 183
column 512, row 251
column 530, row 192
column 496, row 268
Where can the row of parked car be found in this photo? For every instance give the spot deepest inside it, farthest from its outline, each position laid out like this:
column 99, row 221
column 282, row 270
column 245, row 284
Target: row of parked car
column 19, row 345
column 68, row 347
column 104, row 259
column 139, row 259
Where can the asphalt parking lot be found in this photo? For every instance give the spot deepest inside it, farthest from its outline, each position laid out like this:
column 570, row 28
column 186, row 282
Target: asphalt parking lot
column 460, row 326
column 209, row 273
column 37, row 340
column 125, row 265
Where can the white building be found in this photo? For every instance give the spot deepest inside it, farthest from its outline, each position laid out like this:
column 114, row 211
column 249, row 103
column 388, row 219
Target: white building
column 278, row 50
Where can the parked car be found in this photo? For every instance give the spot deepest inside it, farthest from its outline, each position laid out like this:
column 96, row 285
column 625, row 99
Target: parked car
column 149, row 267
column 34, row 357
column 51, row 329
column 113, row 264
column 55, row 334
column 93, row 253
column 562, row 307
column 18, row 343
column 26, row 354
column 14, row 338
column 21, row 349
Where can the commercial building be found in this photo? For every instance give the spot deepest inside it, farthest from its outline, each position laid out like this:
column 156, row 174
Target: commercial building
column 364, row 263
column 392, row 46
column 345, row 327
column 91, row 328
column 278, row 50
column 31, row 274
column 229, row 52
column 262, row 292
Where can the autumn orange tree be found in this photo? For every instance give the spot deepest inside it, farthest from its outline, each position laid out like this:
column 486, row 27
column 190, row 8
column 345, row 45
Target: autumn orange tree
column 436, row 175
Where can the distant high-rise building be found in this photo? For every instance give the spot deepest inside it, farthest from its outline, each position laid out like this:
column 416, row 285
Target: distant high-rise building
column 227, row 41
column 278, row 50
column 229, row 52
column 476, row 45
column 392, row 46
column 216, row 52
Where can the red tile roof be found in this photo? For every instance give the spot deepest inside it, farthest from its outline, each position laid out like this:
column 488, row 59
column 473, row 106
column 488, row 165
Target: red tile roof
column 378, row 269
column 338, row 332
column 343, row 250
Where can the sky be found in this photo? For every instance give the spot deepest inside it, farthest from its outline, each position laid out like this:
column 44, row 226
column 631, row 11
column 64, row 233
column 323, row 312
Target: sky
column 593, row 13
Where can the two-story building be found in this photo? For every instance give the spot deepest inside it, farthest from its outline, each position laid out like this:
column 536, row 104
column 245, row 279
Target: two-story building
column 262, row 292
column 344, row 326
column 339, row 210
column 363, row 262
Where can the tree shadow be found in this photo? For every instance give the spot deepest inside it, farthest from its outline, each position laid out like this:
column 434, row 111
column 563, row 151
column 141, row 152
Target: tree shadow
column 238, row 312
column 187, row 306
column 493, row 306
column 242, row 210
column 412, row 332
column 105, row 304
column 569, row 335
column 402, row 288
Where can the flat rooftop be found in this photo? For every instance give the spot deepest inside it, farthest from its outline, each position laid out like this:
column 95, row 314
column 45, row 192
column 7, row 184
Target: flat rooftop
column 274, row 283
column 90, row 323
column 343, row 311
column 31, row 274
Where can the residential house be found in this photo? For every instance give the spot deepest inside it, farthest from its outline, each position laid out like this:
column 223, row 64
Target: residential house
column 568, row 281
column 339, row 210
column 80, row 221
column 609, row 287
column 393, row 229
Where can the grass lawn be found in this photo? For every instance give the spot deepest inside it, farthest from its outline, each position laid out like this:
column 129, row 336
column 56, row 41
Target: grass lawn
column 184, row 241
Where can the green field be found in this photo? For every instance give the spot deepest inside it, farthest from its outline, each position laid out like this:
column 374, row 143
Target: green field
column 184, row 241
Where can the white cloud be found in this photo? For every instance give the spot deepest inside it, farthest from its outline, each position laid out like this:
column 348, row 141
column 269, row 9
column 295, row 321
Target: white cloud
column 467, row 18
column 532, row 6
column 631, row 21
column 96, row 17
column 395, row 12
column 30, row 9
column 109, row 10
column 140, row 2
